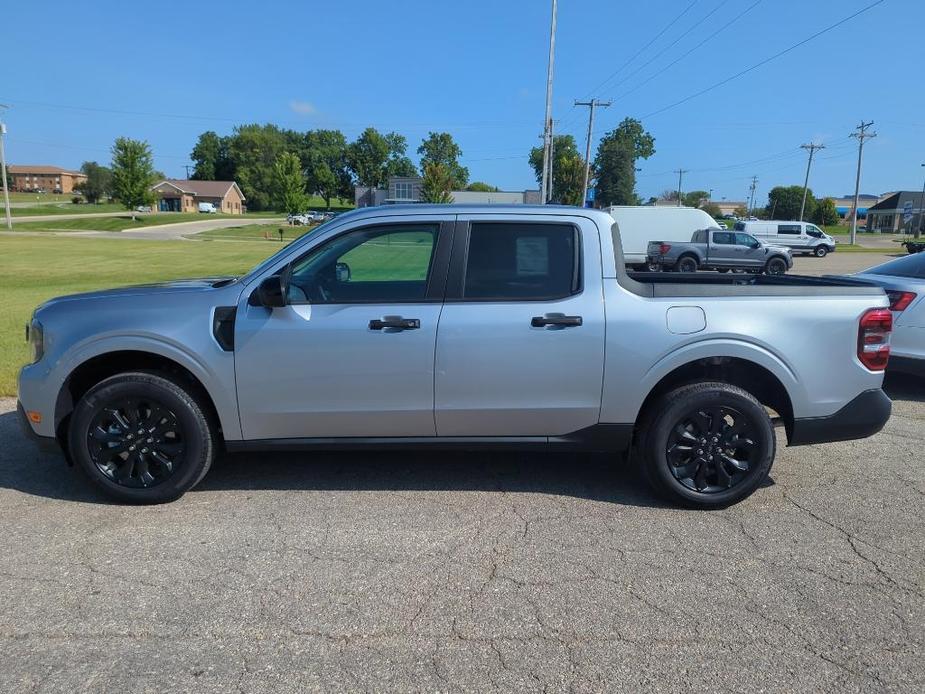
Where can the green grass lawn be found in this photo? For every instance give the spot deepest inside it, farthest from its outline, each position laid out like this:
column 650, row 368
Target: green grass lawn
column 254, row 232
column 39, row 198
column 120, row 223
column 35, row 268
column 65, row 208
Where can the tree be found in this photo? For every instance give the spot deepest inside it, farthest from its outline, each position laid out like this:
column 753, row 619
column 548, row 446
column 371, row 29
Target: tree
column 784, row 203
column 368, row 158
column 437, row 184
column 440, row 148
column 254, row 149
column 399, row 164
column 695, row 198
column 289, row 184
column 132, row 173
column 481, row 187
column 211, row 157
column 98, row 184
column 565, row 161
column 615, row 162
column 669, row 194
column 825, row 213
column 712, row 209
column 325, row 164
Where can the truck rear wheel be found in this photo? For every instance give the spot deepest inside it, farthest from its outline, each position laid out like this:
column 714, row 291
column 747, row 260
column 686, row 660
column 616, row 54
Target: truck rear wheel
column 707, row 445
column 141, row 438
column 686, row 263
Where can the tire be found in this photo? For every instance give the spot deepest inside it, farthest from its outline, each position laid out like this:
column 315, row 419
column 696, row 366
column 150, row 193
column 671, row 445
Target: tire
column 722, row 269
column 821, row 251
column 686, row 263
column 701, row 411
column 776, row 266
column 179, row 441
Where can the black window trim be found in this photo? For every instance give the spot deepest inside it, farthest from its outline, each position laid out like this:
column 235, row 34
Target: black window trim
column 436, row 274
column 455, row 284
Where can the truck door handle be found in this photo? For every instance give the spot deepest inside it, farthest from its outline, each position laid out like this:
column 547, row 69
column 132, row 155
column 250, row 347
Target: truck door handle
column 395, row 323
column 555, row 319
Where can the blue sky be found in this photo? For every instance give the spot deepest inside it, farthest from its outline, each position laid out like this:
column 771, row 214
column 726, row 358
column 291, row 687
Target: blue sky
column 79, row 77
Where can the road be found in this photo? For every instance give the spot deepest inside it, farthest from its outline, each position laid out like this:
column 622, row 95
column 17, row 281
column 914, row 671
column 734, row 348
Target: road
column 469, row 572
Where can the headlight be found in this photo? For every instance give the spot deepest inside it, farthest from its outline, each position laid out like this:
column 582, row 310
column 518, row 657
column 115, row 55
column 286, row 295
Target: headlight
column 35, row 336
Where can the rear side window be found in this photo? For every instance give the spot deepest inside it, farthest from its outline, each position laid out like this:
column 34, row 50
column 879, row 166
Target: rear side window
column 791, row 229
column 699, row 236
column 522, row 261
column 907, row 266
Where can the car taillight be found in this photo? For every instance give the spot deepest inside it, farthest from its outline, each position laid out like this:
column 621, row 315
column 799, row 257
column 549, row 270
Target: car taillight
column 663, row 248
column 874, row 338
column 899, row 301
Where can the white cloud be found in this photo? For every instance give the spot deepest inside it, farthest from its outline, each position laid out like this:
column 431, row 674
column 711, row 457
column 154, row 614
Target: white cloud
column 303, row 108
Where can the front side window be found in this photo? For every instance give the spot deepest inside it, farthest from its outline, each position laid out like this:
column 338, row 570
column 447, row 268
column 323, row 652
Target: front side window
column 724, row 238
column 522, row 261
column 746, row 240
column 372, row 265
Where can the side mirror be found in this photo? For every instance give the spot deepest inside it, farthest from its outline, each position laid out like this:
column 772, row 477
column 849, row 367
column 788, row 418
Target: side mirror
column 271, row 293
column 342, row 272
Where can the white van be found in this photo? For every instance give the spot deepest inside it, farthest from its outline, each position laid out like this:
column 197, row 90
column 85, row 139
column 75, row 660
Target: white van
column 799, row 237
column 208, row 208
column 641, row 224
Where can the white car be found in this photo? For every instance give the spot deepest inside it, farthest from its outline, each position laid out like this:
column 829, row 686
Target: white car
column 903, row 279
column 298, row 219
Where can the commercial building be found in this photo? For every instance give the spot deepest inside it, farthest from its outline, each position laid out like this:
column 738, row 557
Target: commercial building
column 176, row 195
column 41, row 178
column 407, row 190
column 887, row 216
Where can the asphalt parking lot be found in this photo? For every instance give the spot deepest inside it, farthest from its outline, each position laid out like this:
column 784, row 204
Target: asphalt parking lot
column 470, row 572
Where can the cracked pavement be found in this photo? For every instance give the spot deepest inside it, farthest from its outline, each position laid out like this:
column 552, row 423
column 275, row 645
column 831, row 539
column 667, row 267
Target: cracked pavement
column 469, row 572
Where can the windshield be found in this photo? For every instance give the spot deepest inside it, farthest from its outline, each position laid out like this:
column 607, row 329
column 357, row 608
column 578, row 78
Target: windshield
column 256, row 270
column 907, row 266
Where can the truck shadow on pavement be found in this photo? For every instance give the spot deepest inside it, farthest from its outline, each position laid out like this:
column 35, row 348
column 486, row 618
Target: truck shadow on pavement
column 595, row 477
column 905, row 387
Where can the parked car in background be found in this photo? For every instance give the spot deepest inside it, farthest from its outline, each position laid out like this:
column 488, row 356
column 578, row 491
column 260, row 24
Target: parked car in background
column 799, row 237
column 297, row 219
column 641, row 224
column 207, row 208
column 722, row 225
column 714, row 249
column 372, row 331
column 143, row 208
column 904, row 282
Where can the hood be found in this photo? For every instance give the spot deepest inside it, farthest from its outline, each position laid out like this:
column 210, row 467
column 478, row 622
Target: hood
column 155, row 288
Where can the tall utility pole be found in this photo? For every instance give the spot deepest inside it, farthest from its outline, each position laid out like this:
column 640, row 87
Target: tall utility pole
column 680, row 173
column 812, row 147
column 862, row 134
column 6, row 189
column 547, row 122
column 751, row 196
column 594, row 103
column 552, row 162
column 918, row 228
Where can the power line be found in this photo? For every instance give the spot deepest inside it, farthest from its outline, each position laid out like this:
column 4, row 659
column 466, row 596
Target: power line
column 765, row 61
column 684, row 55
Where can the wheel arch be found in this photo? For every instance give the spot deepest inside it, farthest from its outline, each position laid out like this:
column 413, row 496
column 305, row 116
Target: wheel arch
column 749, row 375
column 101, row 366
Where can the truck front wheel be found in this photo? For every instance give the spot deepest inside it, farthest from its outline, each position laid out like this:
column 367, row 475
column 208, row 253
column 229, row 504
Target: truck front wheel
column 141, row 438
column 776, row 266
column 707, row 445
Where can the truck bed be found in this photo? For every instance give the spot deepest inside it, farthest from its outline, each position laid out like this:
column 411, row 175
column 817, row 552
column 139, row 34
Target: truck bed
column 708, row 284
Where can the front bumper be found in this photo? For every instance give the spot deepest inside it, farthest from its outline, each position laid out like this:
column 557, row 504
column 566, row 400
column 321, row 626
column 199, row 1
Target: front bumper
column 47, row 444
column 862, row 417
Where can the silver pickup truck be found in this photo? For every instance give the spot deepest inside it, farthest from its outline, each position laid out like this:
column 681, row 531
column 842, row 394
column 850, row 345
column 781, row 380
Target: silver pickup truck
column 716, row 249
column 480, row 327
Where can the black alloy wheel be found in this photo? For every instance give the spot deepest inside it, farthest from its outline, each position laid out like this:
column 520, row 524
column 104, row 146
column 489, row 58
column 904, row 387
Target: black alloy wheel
column 143, row 437
column 136, row 442
column 711, row 449
column 776, row 266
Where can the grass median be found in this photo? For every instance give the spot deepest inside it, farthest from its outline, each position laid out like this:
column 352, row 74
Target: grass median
column 35, row 268
column 117, row 223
